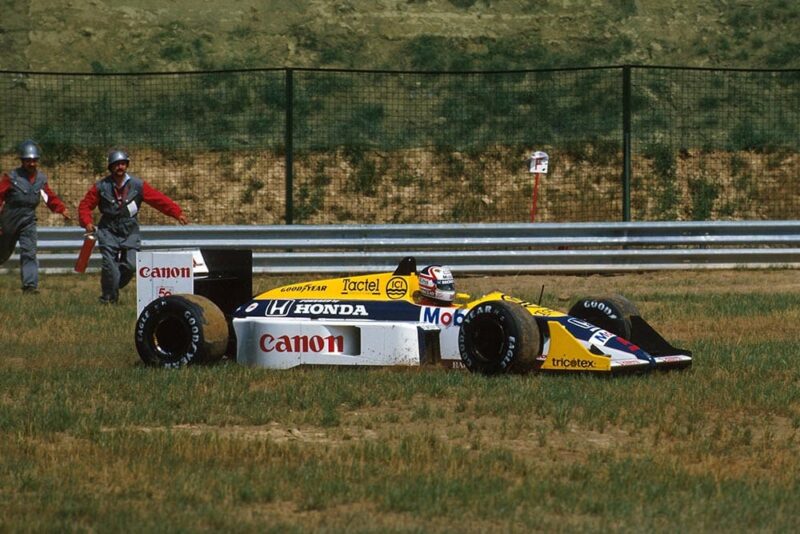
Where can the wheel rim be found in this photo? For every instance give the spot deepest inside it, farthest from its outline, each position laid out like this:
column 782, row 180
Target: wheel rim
column 172, row 338
column 488, row 340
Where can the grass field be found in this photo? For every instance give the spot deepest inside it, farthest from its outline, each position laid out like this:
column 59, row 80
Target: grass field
column 92, row 441
column 398, row 34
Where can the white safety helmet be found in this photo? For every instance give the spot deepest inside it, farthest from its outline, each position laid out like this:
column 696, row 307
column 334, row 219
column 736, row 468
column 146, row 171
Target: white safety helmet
column 437, row 282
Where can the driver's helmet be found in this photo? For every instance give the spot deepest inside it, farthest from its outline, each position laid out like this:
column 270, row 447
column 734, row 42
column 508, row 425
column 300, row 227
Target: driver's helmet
column 436, row 282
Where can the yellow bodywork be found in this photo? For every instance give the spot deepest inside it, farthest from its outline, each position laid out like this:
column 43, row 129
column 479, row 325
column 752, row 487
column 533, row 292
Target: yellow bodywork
column 567, row 354
column 379, row 286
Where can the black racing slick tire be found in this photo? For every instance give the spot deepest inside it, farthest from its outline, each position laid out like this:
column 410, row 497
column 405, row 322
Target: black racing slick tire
column 499, row 337
column 181, row 330
column 612, row 313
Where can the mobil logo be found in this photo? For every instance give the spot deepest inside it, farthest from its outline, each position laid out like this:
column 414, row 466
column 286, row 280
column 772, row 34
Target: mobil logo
column 443, row 316
column 600, row 337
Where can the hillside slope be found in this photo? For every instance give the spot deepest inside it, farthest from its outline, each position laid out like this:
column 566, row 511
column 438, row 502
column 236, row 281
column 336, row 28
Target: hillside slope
column 152, row 35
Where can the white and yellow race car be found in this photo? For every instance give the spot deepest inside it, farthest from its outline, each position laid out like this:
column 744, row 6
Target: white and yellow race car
column 378, row 320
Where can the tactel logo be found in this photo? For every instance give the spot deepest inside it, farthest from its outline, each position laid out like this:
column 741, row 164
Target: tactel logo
column 361, row 286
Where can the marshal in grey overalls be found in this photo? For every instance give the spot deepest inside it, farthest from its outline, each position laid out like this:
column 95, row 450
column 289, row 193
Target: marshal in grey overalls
column 118, row 233
column 18, row 221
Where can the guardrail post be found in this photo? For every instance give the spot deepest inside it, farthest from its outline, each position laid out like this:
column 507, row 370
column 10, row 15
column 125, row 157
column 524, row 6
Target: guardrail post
column 289, row 147
column 626, row 143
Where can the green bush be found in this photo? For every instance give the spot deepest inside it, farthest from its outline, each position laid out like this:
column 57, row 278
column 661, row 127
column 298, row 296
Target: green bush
column 253, row 186
column 463, row 4
column 96, row 160
column 310, row 197
column 703, row 193
column 663, row 184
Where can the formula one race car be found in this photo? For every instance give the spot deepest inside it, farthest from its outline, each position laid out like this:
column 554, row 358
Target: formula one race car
column 378, row 320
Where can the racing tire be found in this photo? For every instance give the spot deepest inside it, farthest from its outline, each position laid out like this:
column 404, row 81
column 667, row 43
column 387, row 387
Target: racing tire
column 612, row 313
column 180, row 330
column 499, row 337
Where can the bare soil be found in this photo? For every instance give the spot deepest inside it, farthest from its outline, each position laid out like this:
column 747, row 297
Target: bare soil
column 419, row 186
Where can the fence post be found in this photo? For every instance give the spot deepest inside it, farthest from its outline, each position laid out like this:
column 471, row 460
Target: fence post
column 626, row 143
column 289, row 147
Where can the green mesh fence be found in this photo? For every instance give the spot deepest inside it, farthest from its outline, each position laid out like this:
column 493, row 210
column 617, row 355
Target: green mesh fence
column 211, row 141
column 711, row 145
column 401, row 147
column 416, row 147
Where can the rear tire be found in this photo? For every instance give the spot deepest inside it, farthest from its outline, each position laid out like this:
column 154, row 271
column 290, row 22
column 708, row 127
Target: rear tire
column 612, row 313
column 181, row 330
column 499, row 337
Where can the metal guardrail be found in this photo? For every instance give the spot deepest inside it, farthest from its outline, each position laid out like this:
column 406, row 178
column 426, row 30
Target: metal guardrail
column 473, row 248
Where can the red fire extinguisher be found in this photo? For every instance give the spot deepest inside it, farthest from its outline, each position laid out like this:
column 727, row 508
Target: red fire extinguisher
column 89, row 241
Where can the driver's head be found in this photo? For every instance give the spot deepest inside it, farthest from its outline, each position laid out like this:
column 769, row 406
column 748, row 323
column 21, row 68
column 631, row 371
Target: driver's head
column 436, row 282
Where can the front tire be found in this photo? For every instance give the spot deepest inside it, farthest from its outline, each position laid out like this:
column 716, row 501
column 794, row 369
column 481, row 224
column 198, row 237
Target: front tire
column 498, row 337
column 181, row 330
column 612, row 313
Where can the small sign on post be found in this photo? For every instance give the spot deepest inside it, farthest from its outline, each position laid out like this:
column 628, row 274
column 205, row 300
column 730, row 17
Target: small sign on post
column 537, row 164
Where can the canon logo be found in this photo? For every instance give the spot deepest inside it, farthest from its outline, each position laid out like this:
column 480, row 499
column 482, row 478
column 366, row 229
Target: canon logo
column 330, row 344
column 165, row 272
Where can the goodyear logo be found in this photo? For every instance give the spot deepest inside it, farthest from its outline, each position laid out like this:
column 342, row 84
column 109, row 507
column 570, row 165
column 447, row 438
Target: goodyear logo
column 396, row 288
column 601, row 307
column 305, row 288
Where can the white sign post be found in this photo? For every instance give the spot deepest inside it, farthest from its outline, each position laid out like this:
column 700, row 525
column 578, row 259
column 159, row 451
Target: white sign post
column 159, row 274
column 537, row 165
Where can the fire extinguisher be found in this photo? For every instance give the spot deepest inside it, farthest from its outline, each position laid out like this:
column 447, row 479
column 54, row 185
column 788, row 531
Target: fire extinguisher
column 89, row 240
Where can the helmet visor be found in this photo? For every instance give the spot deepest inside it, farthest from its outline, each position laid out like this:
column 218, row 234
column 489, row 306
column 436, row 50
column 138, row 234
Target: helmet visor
column 446, row 286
